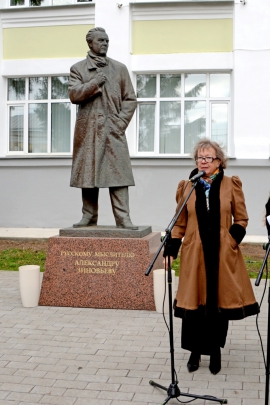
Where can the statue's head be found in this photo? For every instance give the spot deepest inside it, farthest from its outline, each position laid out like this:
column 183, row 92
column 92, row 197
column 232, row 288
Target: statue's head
column 98, row 41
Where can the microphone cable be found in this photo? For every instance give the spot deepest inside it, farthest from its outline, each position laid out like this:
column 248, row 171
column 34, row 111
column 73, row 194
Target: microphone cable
column 265, row 246
column 257, row 316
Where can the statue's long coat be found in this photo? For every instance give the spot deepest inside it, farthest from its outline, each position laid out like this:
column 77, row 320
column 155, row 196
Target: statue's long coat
column 213, row 276
column 100, row 154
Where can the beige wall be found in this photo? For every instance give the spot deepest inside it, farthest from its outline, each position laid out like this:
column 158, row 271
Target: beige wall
column 182, row 36
column 66, row 41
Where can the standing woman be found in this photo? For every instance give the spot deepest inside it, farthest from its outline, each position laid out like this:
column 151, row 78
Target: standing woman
column 214, row 286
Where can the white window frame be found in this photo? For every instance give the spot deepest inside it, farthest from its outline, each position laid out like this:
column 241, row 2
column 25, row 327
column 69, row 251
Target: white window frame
column 218, row 101
column 156, row 100
column 49, row 101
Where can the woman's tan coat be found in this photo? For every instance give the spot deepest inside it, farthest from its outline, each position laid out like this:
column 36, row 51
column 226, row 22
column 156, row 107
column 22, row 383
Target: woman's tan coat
column 213, row 275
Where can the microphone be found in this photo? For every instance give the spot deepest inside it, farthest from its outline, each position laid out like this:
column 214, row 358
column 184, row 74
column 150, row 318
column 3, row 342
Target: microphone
column 197, row 176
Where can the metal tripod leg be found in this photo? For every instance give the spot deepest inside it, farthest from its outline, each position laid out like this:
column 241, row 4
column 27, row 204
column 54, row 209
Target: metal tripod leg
column 174, row 392
column 151, row 382
column 166, row 400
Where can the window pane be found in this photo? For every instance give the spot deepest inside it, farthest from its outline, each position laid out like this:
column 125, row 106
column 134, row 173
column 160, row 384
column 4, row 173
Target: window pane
column 170, row 127
column 37, row 128
column 16, row 119
column 170, row 85
column 194, row 123
column 219, row 124
column 17, row 2
column 60, row 87
column 38, row 88
column 39, row 3
column 220, row 85
column 146, row 86
column 60, row 131
column 195, row 85
column 146, row 127
column 16, row 89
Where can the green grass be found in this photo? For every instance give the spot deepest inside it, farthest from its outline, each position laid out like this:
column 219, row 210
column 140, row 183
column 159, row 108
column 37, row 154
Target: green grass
column 11, row 259
column 175, row 266
column 253, row 266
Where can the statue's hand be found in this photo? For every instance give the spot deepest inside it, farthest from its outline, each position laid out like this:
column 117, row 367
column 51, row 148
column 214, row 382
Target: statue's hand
column 100, row 77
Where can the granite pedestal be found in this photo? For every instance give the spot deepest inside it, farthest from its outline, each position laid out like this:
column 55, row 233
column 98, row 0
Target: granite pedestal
column 103, row 271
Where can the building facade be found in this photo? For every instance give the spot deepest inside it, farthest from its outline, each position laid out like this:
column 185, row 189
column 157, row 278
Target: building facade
column 199, row 69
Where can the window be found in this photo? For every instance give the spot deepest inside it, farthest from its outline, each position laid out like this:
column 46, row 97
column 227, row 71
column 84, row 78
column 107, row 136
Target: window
column 40, row 115
column 28, row 3
column 176, row 110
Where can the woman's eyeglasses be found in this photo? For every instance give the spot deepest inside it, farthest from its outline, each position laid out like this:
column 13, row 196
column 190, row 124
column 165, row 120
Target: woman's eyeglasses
column 208, row 159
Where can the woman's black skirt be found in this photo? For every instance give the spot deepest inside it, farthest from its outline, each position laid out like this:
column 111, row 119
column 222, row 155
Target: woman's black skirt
column 203, row 335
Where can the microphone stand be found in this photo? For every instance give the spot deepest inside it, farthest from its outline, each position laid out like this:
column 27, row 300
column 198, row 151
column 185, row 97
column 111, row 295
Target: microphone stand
column 173, row 390
column 257, row 283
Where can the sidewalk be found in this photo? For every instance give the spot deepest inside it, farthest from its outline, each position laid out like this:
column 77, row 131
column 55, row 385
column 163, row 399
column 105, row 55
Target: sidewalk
column 36, row 233
column 86, row 356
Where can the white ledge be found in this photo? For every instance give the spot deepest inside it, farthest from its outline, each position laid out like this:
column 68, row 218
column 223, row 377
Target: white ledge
column 31, row 233
column 48, row 16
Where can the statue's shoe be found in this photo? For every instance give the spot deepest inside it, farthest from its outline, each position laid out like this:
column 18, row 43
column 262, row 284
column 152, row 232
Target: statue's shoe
column 127, row 225
column 85, row 222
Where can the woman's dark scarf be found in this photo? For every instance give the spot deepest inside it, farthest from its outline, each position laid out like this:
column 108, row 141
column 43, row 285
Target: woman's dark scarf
column 206, row 183
column 209, row 229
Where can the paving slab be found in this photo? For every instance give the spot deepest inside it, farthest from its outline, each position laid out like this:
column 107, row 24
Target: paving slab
column 77, row 356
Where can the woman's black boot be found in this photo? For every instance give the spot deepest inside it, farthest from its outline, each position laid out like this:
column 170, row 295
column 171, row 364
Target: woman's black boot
column 193, row 362
column 215, row 361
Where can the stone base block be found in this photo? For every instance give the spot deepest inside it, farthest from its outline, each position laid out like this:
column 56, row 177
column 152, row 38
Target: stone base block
column 105, row 232
column 100, row 272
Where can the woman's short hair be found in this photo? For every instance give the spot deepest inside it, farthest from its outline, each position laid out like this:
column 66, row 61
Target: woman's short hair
column 207, row 143
column 91, row 34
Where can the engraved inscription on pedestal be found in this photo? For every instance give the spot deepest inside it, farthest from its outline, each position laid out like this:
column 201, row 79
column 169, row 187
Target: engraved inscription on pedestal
column 97, row 262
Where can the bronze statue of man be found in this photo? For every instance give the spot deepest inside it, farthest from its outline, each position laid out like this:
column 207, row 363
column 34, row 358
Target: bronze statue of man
column 103, row 90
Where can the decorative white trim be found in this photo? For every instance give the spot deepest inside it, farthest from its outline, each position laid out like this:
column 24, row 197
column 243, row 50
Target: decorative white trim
column 44, row 67
column 184, row 62
column 48, row 16
column 146, row 2
column 181, row 11
column 44, row 3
